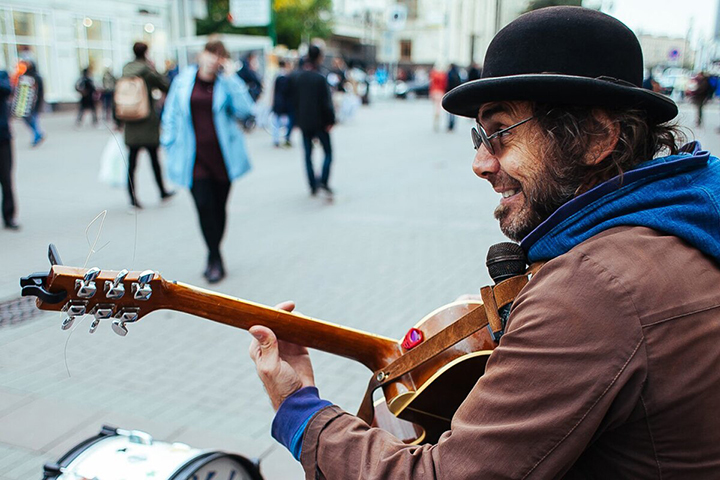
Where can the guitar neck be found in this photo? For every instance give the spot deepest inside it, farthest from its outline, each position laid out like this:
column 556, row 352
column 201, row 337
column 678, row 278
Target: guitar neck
column 373, row 351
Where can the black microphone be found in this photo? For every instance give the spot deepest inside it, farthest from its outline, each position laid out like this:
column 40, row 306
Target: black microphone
column 505, row 260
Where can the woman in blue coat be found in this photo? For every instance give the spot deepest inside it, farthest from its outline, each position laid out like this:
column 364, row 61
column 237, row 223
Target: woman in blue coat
column 204, row 144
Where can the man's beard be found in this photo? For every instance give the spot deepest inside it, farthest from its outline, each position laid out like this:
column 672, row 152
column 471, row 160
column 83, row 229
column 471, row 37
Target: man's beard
column 545, row 191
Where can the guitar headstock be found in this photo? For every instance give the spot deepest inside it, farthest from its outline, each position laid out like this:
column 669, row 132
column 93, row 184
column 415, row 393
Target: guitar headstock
column 120, row 297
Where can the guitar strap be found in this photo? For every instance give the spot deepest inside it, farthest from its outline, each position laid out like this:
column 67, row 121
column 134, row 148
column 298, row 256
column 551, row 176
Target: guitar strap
column 494, row 298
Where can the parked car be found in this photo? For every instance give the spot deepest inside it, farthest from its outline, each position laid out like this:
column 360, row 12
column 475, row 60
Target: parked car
column 412, row 89
column 674, row 81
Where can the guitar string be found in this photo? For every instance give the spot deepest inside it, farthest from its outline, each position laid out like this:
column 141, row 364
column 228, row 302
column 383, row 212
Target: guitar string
column 92, row 246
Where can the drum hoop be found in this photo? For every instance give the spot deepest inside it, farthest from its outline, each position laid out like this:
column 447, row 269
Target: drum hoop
column 198, row 461
column 52, row 470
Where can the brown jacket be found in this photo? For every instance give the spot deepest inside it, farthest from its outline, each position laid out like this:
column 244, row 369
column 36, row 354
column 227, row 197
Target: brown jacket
column 610, row 369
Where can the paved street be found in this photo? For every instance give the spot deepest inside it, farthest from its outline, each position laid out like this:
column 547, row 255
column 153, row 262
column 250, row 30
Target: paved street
column 408, row 232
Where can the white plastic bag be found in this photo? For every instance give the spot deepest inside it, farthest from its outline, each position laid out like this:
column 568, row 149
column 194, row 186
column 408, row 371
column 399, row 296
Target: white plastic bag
column 113, row 167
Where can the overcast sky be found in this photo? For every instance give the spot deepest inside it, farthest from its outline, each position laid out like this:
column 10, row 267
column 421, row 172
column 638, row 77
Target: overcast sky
column 666, row 17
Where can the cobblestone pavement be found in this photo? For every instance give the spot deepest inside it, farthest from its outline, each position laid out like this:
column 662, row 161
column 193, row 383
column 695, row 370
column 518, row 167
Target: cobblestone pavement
column 408, row 232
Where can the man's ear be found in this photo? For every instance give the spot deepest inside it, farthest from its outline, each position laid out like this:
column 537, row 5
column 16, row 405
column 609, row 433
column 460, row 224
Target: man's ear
column 605, row 140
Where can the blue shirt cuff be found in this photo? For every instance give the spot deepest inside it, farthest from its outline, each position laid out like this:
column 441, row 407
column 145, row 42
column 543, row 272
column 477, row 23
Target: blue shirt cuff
column 293, row 416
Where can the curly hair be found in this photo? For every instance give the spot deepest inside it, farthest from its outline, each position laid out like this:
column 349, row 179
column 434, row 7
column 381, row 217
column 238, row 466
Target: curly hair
column 568, row 133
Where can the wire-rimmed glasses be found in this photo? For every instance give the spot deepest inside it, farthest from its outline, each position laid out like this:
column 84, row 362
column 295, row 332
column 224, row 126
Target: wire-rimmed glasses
column 480, row 136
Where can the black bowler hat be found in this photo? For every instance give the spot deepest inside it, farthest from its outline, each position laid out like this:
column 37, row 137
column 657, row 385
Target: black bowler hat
column 567, row 55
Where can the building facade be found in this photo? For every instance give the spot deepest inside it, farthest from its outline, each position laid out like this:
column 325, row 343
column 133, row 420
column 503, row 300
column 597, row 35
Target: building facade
column 423, row 32
column 666, row 51
column 65, row 37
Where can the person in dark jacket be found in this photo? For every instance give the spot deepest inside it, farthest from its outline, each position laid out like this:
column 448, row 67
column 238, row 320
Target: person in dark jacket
column 86, row 88
column 145, row 133
column 315, row 115
column 6, row 160
column 32, row 119
column 700, row 92
column 453, row 81
column 282, row 105
column 474, row 72
column 251, row 77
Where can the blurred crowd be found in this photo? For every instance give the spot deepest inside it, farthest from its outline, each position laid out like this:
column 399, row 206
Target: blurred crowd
column 198, row 116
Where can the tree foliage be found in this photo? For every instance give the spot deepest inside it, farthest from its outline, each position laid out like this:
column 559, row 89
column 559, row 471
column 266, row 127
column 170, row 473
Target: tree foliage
column 535, row 4
column 295, row 20
column 298, row 20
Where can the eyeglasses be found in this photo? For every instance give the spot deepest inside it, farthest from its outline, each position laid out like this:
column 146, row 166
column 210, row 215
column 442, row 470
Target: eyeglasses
column 480, row 136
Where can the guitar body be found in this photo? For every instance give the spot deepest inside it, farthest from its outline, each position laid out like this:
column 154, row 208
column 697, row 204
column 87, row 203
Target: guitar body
column 431, row 393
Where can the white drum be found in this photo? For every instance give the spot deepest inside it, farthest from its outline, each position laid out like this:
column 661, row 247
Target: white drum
column 116, row 454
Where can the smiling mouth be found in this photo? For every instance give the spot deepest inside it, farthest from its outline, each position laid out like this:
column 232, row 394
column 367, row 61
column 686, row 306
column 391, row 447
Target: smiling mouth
column 510, row 193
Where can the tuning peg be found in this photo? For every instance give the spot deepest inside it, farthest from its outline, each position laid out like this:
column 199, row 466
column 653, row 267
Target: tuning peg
column 141, row 289
column 86, row 287
column 116, row 289
column 127, row 315
column 94, row 325
column 100, row 312
column 119, row 328
column 67, row 323
column 74, row 309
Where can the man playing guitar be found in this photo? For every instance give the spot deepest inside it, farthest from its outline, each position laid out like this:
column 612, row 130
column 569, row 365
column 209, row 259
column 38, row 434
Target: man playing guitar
column 608, row 366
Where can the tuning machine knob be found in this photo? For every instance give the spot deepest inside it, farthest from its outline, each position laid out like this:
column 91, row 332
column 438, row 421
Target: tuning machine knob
column 127, row 315
column 141, row 289
column 100, row 312
column 86, row 287
column 74, row 309
column 115, row 289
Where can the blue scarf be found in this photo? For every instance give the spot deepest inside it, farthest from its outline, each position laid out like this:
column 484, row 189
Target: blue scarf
column 678, row 195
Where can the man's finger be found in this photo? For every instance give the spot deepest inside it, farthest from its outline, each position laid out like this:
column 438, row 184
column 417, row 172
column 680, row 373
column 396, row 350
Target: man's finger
column 288, row 306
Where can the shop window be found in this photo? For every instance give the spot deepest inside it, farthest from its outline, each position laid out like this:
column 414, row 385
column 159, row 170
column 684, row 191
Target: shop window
column 95, row 31
column 24, row 23
column 406, row 50
column 4, row 17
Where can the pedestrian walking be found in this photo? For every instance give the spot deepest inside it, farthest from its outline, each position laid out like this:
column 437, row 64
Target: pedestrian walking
column 108, row 89
column 141, row 131
column 282, row 106
column 700, row 92
column 474, row 72
column 28, row 100
column 204, row 143
column 6, row 160
column 437, row 88
column 86, row 88
column 315, row 116
column 453, row 80
column 249, row 73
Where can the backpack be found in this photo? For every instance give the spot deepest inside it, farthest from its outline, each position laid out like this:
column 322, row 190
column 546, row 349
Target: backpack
column 132, row 102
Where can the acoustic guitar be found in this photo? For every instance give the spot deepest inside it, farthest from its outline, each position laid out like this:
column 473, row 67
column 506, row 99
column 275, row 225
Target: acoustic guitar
column 424, row 377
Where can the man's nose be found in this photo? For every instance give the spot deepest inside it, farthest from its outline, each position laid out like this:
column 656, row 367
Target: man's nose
column 485, row 164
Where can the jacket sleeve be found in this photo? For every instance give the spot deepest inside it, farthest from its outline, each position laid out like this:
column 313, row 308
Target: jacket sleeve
column 155, row 80
column 573, row 347
column 328, row 111
column 240, row 103
column 5, row 87
column 169, row 121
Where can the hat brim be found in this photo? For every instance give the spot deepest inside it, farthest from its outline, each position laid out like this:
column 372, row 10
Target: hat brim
column 465, row 100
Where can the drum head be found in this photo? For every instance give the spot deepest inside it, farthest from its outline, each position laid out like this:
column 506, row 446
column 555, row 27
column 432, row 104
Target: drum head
column 218, row 466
